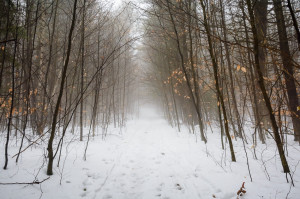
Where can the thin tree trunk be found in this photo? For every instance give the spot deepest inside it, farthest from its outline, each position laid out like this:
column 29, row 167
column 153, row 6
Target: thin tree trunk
column 219, row 93
column 11, row 111
column 64, row 73
column 295, row 23
column 185, row 72
column 232, row 91
column 82, row 70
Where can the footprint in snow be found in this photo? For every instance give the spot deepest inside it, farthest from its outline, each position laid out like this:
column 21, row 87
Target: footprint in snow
column 94, row 176
column 178, row 187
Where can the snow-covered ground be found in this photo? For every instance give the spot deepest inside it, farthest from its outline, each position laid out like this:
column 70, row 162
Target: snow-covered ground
column 150, row 160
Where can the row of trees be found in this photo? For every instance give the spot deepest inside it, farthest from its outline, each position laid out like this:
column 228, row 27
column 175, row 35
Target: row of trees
column 231, row 62
column 63, row 64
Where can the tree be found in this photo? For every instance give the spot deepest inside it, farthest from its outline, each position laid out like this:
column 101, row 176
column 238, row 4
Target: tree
column 58, row 102
column 264, row 92
column 288, row 69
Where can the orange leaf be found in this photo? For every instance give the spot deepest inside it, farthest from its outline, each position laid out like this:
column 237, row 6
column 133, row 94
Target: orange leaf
column 244, row 69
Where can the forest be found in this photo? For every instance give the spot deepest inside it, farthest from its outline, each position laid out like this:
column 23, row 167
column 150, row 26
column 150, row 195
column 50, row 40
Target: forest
column 149, row 99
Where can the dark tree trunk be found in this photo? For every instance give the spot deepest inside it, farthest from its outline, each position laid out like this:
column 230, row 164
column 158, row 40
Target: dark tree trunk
column 295, row 23
column 279, row 144
column 64, row 73
column 288, row 69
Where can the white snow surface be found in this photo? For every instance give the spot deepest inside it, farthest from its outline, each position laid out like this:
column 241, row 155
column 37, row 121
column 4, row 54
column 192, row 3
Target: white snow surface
column 149, row 159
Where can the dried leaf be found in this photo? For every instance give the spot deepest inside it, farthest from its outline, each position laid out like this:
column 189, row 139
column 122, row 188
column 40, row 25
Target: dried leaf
column 244, row 69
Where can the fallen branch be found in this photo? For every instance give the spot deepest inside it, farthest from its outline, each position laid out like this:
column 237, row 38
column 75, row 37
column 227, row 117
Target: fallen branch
column 26, row 183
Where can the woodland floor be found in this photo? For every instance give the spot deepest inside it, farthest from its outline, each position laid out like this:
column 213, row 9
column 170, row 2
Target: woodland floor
column 147, row 160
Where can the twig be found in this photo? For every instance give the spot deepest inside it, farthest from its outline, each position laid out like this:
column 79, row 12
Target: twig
column 25, row 183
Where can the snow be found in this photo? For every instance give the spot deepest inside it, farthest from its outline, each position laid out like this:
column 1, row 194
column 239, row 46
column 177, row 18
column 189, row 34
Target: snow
column 148, row 160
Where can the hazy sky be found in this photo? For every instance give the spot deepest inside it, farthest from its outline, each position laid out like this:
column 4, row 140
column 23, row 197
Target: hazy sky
column 118, row 2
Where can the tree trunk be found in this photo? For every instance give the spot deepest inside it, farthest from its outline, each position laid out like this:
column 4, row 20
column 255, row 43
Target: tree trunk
column 64, row 73
column 288, row 69
column 215, row 69
column 295, row 23
column 284, row 162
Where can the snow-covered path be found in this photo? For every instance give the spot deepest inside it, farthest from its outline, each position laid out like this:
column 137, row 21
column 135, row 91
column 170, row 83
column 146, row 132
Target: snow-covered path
column 153, row 161
column 149, row 160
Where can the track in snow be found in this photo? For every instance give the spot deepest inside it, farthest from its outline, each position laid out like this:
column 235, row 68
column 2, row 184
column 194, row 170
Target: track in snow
column 154, row 161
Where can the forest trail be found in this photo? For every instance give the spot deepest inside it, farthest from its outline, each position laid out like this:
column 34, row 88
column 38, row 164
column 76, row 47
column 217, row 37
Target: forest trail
column 153, row 160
